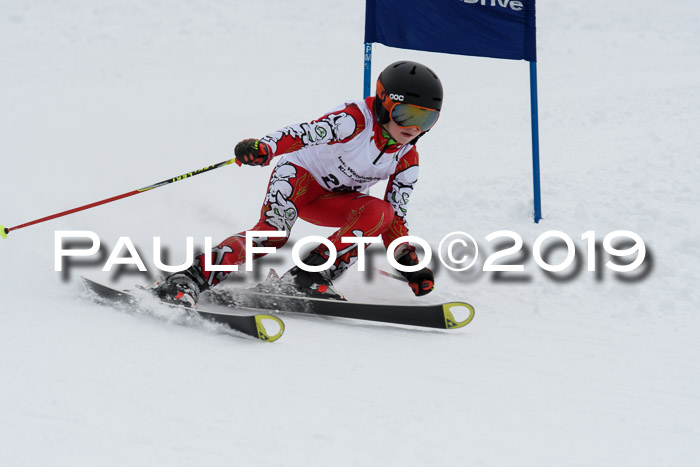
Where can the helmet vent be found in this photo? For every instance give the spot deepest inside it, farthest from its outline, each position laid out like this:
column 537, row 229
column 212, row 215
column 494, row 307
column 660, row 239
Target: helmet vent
column 413, row 70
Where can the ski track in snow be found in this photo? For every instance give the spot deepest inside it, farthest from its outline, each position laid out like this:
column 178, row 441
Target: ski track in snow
column 100, row 98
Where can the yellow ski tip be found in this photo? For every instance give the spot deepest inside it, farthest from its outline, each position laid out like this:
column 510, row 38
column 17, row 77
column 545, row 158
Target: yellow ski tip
column 270, row 328
column 461, row 310
column 3, row 231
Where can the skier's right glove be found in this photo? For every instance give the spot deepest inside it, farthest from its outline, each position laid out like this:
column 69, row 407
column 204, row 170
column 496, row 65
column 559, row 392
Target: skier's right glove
column 422, row 282
column 253, row 152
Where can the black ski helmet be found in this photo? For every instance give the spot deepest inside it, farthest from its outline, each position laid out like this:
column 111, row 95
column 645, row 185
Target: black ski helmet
column 407, row 83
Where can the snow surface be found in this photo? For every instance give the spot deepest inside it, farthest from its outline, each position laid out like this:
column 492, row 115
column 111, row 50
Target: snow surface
column 99, row 98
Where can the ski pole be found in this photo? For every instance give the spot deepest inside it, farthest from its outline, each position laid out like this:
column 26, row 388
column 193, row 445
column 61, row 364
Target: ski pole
column 5, row 230
column 391, row 274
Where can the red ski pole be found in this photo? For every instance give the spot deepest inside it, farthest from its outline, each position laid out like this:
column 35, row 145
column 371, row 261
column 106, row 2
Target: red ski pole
column 5, row 230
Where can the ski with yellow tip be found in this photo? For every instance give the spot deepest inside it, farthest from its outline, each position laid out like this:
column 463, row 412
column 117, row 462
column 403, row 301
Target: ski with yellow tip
column 265, row 327
column 450, row 315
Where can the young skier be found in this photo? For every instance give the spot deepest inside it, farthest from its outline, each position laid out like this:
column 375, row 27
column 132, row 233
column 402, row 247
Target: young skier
column 325, row 167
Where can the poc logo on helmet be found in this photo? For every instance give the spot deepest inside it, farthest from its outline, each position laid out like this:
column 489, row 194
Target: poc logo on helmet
column 396, row 97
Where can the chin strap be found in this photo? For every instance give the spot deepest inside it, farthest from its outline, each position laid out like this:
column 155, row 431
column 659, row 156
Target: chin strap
column 415, row 140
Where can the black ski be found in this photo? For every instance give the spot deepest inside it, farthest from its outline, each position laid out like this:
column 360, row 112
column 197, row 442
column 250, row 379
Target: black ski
column 440, row 316
column 252, row 325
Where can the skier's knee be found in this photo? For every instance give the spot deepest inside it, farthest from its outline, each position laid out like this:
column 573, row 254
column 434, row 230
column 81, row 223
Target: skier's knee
column 383, row 215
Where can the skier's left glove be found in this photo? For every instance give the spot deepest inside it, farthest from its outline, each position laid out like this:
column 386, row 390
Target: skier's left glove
column 422, row 282
column 253, row 152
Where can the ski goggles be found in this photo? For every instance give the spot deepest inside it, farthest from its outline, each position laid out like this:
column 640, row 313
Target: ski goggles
column 408, row 115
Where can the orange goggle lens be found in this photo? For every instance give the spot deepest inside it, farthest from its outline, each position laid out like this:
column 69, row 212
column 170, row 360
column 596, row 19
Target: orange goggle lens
column 407, row 115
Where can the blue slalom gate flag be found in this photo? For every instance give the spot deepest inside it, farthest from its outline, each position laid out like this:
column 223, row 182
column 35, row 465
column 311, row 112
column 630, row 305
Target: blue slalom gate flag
column 485, row 28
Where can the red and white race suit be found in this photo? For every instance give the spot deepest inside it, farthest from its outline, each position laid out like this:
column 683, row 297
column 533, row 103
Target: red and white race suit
column 325, row 166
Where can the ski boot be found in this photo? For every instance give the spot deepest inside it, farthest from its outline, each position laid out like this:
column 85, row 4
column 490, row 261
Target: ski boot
column 182, row 288
column 312, row 284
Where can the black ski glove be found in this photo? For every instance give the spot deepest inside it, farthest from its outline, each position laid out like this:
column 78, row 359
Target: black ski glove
column 253, row 152
column 422, row 282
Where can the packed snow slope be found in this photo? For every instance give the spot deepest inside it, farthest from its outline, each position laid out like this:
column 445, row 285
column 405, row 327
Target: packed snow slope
column 576, row 368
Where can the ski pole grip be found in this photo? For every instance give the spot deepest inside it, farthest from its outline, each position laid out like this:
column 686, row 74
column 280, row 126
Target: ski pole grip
column 4, row 231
